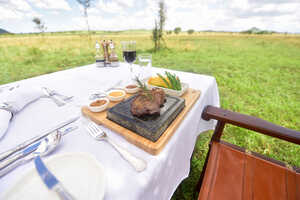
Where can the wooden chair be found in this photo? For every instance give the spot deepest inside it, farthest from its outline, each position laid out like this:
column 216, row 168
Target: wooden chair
column 233, row 173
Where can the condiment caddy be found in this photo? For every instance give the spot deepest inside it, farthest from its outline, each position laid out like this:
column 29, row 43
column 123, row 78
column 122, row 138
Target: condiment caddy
column 105, row 54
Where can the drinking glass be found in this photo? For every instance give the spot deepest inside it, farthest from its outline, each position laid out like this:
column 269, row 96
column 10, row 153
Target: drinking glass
column 145, row 61
column 129, row 54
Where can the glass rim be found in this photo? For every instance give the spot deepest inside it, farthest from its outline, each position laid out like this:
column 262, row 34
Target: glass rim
column 145, row 55
column 128, row 42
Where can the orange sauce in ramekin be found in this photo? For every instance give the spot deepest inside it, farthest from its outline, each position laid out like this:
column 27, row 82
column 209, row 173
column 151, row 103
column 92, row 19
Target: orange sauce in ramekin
column 116, row 94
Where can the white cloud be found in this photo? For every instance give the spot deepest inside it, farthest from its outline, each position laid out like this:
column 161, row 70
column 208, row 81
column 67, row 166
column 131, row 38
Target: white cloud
column 127, row 3
column 19, row 5
column 16, row 9
column 233, row 15
column 51, row 4
column 16, row 5
column 106, row 7
column 9, row 14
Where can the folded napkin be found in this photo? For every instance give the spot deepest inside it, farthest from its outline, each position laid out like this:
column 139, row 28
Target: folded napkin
column 17, row 100
column 5, row 117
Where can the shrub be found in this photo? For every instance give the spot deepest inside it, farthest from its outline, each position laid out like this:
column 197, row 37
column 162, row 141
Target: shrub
column 177, row 30
column 190, row 31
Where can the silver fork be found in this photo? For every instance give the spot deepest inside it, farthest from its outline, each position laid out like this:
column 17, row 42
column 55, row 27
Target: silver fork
column 64, row 97
column 98, row 134
column 59, row 102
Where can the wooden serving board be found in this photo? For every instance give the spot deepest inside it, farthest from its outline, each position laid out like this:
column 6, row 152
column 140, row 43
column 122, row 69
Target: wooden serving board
column 153, row 148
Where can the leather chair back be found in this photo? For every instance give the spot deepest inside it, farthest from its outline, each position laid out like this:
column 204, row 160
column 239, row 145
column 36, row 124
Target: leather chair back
column 233, row 173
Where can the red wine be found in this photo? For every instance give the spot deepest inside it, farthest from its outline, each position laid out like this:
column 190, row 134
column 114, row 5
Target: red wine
column 129, row 56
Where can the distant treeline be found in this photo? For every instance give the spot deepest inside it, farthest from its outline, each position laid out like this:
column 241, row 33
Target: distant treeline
column 139, row 31
column 255, row 30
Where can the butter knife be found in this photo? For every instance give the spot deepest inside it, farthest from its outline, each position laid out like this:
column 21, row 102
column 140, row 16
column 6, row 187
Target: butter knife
column 59, row 102
column 21, row 146
column 51, row 181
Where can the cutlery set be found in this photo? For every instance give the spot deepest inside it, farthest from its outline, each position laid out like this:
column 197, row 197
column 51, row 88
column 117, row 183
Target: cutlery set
column 41, row 145
column 58, row 99
column 40, row 148
column 35, row 148
column 37, row 138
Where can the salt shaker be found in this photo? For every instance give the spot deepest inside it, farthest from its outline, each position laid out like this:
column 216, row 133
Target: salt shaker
column 100, row 60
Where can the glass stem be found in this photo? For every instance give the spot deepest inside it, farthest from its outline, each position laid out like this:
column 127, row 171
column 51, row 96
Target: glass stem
column 131, row 72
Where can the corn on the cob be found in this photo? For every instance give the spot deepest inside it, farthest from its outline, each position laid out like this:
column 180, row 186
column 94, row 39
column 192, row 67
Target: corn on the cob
column 169, row 81
column 157, row 81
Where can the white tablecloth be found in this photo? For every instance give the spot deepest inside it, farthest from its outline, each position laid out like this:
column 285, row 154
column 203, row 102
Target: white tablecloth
column 164, row 171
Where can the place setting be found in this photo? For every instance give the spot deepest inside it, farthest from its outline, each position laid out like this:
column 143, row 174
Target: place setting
column 143, row 107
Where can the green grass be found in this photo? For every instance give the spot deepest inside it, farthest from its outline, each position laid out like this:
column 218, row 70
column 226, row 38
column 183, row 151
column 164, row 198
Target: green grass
column 256, row 75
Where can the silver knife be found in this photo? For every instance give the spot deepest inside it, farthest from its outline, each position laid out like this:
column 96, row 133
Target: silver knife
column 19, row 158
column 21, row 146
column 50, row 180
column 19, row 155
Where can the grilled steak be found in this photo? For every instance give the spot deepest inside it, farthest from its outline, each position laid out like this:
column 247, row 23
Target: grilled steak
column 148, row 103
column 159, row 96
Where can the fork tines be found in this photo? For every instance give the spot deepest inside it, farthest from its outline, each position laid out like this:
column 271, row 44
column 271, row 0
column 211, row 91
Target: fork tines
column 93, row 129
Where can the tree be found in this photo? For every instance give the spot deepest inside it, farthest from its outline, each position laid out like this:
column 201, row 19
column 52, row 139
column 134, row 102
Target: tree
column 39, row 24
column 155, row 35
column 86, row 4
column 190, row 31
column 177, row 30
column 158, row 31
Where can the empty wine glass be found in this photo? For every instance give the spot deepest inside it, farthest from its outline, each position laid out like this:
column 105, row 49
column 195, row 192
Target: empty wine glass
column 129, row 54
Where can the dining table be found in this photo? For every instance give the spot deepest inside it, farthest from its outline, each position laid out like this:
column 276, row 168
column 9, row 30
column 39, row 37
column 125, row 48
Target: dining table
column 164, row 172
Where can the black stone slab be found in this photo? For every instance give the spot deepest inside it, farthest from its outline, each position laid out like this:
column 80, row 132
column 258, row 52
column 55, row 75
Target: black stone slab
column 150, row 126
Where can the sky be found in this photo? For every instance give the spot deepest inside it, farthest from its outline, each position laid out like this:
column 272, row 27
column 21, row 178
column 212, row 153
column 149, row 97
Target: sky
column 220, row 15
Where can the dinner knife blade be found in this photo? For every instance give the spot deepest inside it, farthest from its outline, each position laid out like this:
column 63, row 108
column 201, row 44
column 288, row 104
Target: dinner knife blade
column 50, row 180
column 21, row 146
column 4, row 164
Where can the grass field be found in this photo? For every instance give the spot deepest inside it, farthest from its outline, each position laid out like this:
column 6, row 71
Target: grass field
column 256, row 75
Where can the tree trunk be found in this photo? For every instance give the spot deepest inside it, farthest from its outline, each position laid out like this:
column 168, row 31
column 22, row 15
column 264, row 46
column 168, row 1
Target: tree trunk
column 86, row 19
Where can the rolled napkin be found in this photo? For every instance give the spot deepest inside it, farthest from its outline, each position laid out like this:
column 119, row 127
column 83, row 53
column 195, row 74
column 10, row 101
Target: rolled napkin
column 16, row 100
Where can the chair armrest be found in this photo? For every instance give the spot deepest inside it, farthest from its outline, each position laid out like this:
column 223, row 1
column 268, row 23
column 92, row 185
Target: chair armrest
column 251, row 123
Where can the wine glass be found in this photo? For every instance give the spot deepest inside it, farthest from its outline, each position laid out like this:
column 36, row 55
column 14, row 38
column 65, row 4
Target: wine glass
column 129, row 54
column 145, row 61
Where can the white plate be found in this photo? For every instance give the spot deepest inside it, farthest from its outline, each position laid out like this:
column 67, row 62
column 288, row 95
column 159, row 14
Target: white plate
column 178, row 93
column 80, row 173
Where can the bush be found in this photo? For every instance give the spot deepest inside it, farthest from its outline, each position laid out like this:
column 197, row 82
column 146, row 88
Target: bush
column 190, row 31
column 177, row 30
